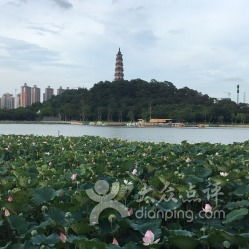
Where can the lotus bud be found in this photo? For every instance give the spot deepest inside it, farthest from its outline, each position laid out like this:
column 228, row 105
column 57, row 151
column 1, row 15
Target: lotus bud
column 226, row 244
column 112, row 217
column 44, row 208
column 146, row 199
column 115, row 242
column 68, row 215
column 34, row 232
column 10, row 198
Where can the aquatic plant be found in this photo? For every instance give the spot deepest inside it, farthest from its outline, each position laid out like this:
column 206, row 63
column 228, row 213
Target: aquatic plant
column 44, row 204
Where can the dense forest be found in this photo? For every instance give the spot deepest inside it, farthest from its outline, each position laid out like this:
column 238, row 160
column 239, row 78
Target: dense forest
column 131, row 100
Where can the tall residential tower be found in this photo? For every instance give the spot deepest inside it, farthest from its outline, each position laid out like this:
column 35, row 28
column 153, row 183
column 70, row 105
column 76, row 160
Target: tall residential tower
column 119, row 67
column 26, row 96
column 7, row 101
column 35, row 95
column 49, row 93
column 60, row 90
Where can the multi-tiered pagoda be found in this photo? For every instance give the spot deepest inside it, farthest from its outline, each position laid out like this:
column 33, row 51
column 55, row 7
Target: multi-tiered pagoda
column 119, row 67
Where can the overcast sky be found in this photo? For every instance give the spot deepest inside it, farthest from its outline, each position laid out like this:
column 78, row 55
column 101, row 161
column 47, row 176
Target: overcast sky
column 202, row 44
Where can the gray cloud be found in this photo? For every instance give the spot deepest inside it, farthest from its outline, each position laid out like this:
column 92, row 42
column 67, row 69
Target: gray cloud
column 43, row 29
column 17, row 2
column 233, row 79
column 65, row 4
column 202, row 44
column 145, row 38
column 21, row 54
column 138, row 8
column 176, row 31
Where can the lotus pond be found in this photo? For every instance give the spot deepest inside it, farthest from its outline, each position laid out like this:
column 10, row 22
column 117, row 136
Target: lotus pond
column 178, row 196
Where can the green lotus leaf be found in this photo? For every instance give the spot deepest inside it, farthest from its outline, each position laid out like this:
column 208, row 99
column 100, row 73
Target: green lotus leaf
column 43, row 195
column 90, row 244
column 3, row 170
column 42, row 200
column 241, row 190
column 57, row 215
column 237, row 204
column 46, row 240
column 146, row 224
column 6, row 246
column 234, row 215
column 26, row 245
column 18, row 223
column 183, row 239
column 193, row 180
column 169, row 205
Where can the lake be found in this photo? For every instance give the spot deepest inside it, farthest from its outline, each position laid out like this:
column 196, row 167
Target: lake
column 158, row 134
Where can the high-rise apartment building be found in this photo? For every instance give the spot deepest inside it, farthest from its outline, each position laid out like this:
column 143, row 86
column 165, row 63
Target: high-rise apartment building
column 18, row 102
column 49, row 92
column 60, row 91
column 7, row 101
column 25, row 95
column 35, row 95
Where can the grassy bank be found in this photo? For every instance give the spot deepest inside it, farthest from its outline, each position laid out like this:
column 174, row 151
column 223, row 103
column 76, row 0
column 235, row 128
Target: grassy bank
column 43, row 183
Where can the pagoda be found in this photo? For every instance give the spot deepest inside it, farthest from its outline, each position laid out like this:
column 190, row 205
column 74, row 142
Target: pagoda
column 119, row 67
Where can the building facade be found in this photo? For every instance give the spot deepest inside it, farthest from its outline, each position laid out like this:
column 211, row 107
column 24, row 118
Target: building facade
column 60, row 91
column 49, row 93
column 119, row 67
column 18, row 102
column 25, row 96
column 35, row 95
column 7, row 101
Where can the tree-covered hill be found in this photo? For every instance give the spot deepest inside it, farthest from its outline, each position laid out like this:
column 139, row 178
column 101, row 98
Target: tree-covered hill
column 131, row 100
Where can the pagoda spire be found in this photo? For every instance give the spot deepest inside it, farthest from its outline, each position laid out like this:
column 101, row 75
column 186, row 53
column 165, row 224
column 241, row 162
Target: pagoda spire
column 119, row 67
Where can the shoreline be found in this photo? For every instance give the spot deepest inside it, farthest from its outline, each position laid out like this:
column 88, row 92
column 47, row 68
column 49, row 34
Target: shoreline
column 124, row 124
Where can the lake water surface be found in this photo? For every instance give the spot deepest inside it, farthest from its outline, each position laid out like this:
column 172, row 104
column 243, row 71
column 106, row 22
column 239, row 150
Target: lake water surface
column 159, row 134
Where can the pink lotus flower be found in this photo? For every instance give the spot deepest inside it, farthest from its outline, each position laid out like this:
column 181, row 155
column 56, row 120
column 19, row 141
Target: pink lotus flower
column 10, row 199
column 149, row 238
column 63, row 237
column 188, row 160
column 134, row 171
column 130, row 212
column 207, row 209
column 115, row 242
column 73, row 177
column 6, row 212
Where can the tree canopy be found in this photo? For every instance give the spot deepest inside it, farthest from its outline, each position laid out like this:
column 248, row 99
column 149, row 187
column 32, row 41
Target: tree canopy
column 131, row 100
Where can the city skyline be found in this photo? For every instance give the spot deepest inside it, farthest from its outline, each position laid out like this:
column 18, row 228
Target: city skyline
column 199, row 44
column 28, row 96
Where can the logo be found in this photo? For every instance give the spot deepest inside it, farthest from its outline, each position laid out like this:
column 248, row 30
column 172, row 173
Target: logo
column 105, row 200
